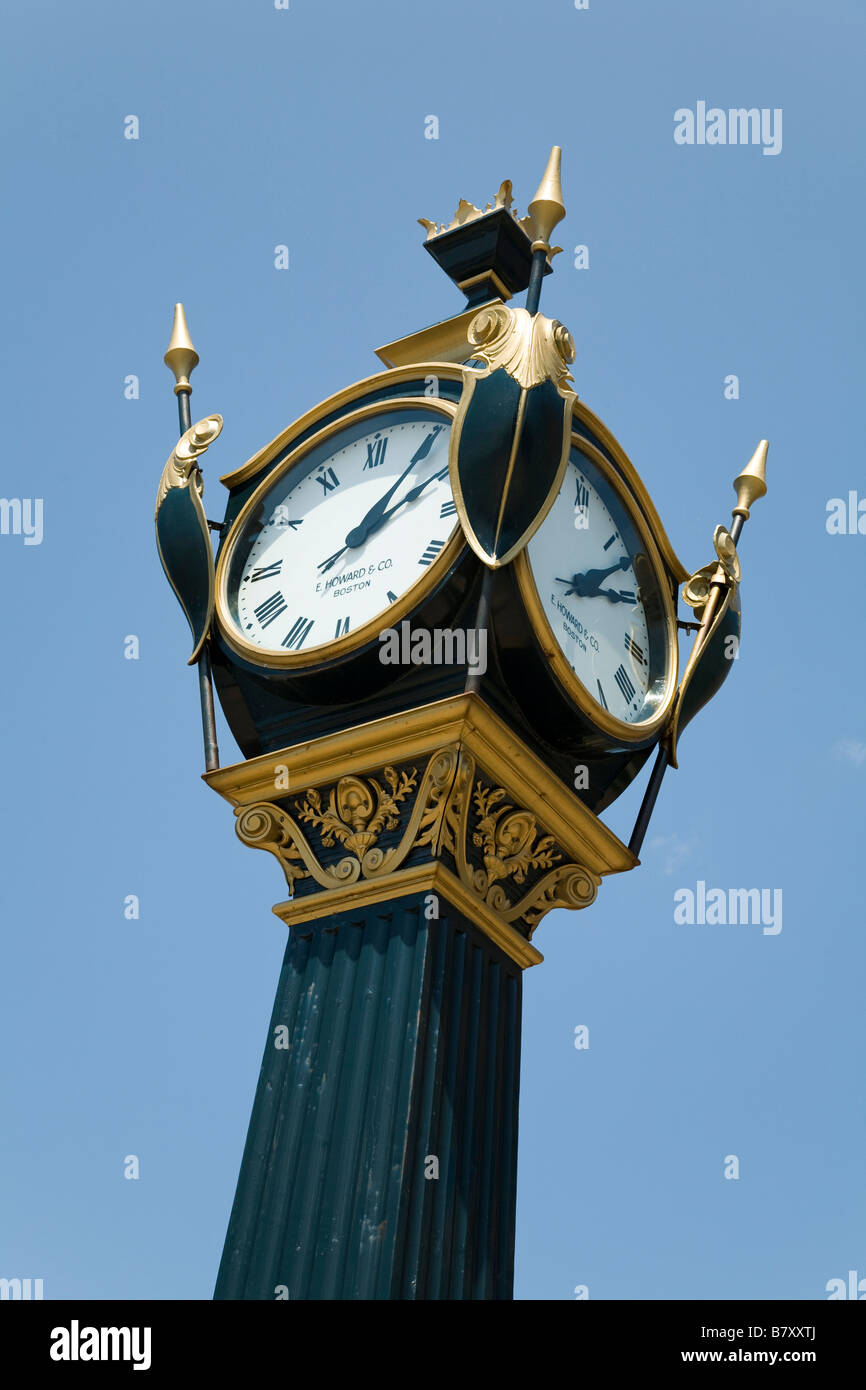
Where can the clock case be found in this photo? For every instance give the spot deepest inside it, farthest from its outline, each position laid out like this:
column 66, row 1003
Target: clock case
column 269, row 708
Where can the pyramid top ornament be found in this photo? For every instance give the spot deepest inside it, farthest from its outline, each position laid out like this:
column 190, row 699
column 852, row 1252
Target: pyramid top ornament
column 488, row 251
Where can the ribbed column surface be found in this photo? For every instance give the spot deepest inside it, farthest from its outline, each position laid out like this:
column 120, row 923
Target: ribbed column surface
column 381, row 1159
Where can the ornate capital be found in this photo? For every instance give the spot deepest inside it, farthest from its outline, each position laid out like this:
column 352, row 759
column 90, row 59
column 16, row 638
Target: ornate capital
column 444, row 799
column 359, row 812
column 499, row 851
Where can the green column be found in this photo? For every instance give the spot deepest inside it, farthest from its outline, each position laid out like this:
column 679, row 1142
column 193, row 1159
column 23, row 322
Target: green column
column 393, row 1050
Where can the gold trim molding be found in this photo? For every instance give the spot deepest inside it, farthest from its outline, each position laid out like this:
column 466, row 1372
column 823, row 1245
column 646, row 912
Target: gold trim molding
column 411, row 371
column 677, row 569
column 432, row 877
column 505, row 840
column 443, row 342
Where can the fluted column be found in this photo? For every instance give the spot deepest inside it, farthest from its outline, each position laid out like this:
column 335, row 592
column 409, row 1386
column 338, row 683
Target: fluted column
column 382, row 1150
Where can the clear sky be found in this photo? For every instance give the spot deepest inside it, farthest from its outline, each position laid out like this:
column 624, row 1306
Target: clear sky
column 306, row 127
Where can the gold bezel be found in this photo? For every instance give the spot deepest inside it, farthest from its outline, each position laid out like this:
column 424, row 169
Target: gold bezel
column 339, row 646
column 406, row 372
column 677, row 569
column 572, row 684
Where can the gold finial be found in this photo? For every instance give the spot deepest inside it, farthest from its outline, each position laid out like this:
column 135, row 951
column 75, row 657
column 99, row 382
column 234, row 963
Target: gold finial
column 181, row 356
column 547, row 207
column 752, row 482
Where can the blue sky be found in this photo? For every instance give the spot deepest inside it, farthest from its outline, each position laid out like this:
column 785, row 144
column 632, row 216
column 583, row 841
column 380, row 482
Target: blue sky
column 305, row 127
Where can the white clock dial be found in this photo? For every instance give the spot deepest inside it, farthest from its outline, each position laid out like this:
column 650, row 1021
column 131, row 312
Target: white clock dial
column 348, row 530
column 600, row 595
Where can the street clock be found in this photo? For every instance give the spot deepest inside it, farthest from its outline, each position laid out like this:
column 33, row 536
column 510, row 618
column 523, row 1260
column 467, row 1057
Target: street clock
column 427, row 811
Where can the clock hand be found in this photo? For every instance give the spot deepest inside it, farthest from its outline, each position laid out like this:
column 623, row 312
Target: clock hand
column 357, row 536
column 587, row 585
column 615, row 595
column 411, row 496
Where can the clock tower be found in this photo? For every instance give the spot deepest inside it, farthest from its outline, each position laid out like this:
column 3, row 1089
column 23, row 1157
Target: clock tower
column 442, row 625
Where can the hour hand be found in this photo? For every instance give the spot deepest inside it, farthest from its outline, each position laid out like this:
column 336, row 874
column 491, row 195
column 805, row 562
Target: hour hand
column 588, row 585
column 376, row 515
column 411, row 496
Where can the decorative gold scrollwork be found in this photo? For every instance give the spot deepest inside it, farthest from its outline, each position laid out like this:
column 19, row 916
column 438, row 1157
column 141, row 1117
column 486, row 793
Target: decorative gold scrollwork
column 453, row 811
column 531, row 348
column 354, row 814
column 181, row 467
column 725, row 572
column 513, row 845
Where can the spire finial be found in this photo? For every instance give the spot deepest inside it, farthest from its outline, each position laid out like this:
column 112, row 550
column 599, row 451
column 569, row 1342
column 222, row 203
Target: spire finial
column 752, row 482
column 181, row 356
column 547, row 207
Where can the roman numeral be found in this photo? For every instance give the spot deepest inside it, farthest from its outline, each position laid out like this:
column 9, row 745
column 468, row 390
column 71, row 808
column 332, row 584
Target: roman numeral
column 628, row 596
column 328, row 479
column 342, row 627
column 582, row 498
column 281, row 517
column 431, row 552
column 266, row 572
column 625, row 685
column 608, row 544
column 443, row 473
column 632, row 646
column 376, row 452
column 601, row 699
column 297, row 634
column 271, row 608
column 447, row 509
column 392, row 598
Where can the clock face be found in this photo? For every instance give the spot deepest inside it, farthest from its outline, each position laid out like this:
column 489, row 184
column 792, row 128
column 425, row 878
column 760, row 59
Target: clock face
column 603, row 598
column 330, row 548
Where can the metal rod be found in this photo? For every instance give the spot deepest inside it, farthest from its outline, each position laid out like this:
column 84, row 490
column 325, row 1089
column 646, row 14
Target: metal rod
column 749, row 486
column 662, row 761
column 536, row 275
column 650, row 797
column 208, row 715
column 482, row 618
column 205, row 677
column 183, row 414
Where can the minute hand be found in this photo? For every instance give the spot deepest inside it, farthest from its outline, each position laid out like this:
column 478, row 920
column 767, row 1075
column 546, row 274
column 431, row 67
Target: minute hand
column 411, row 496
column 375, row 515
column 378, row 521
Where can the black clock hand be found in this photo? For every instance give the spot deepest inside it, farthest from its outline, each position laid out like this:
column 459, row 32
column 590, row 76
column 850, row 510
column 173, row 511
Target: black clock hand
column 616, row 595
column 411, row 496
column 588, row 585
column 357, row 536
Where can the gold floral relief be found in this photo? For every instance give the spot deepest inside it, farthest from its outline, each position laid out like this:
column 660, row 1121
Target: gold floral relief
column 498, row 850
